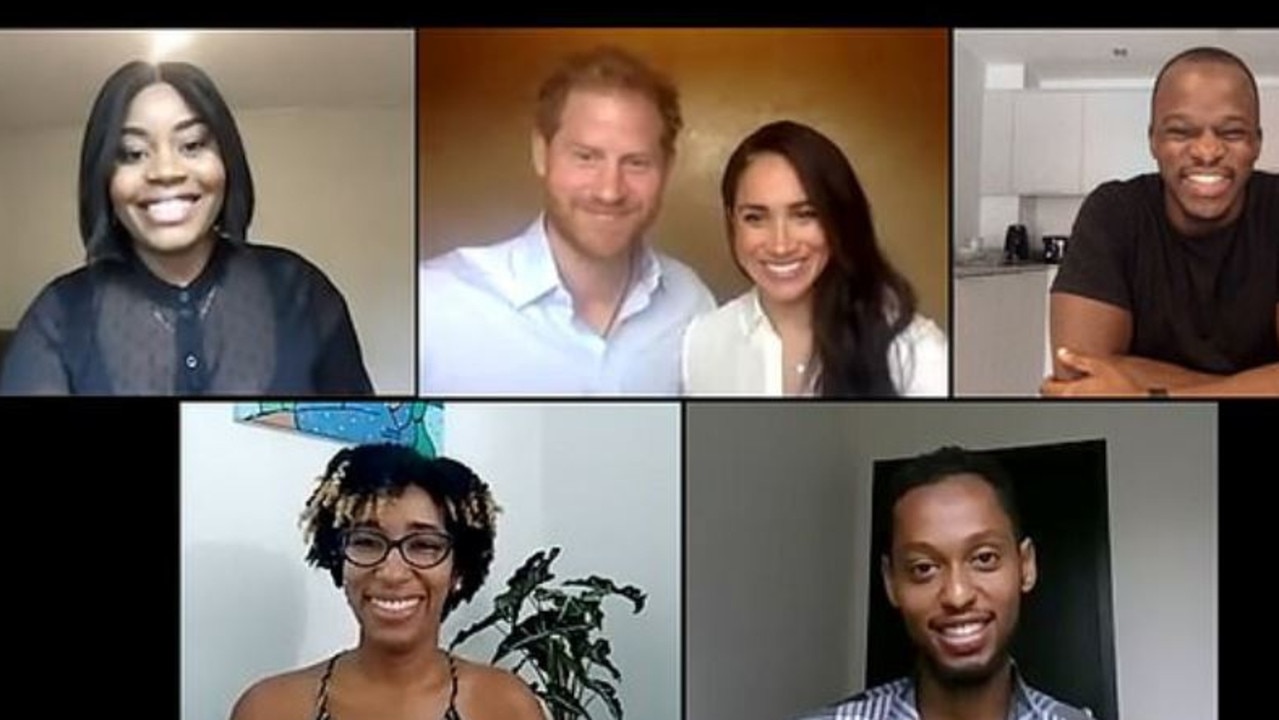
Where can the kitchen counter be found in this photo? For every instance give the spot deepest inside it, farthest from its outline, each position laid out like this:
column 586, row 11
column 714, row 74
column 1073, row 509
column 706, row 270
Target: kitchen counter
column 977, row 269
column 991, row 262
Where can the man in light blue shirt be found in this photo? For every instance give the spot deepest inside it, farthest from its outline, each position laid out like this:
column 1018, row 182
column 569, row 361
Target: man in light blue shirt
column 579, row 303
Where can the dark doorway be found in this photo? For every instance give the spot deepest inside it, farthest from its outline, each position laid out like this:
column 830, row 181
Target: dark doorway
column 1065, row 641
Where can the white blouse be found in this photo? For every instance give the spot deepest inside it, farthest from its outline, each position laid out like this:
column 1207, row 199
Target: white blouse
column 735, row 351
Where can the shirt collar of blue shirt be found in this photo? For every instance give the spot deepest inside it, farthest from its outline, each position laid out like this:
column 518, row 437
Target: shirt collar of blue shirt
column 534, row 275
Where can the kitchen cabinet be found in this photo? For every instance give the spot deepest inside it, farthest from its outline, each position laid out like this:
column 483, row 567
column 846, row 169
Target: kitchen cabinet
column 1048, row 143
column 1001, row 332
column 1269, row 159
column 997, row 143
column 1114, row 141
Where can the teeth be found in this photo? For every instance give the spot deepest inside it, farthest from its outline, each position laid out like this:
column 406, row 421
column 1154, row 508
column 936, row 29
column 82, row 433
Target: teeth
column 789, row 268
column 171, row 210
column 1207, row 179
column 396, row 605
column 963, row 630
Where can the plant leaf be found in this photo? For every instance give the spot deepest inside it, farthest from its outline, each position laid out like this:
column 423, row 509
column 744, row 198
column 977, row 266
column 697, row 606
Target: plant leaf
column 559, row 697
column 474, row 628
column 606, row 692
column 603, row 586
column 598, row 653
column 536, row 629
column 506, row 605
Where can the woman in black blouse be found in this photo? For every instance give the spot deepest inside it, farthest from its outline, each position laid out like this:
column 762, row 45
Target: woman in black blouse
column 173, row 299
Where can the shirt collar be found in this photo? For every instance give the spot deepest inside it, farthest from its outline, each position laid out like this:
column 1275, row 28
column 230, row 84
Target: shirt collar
column 1021, row 706
column 752, row 314
column 166, row 294
column 534, row 274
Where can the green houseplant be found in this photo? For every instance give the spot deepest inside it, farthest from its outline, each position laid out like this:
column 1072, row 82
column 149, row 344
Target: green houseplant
column 553, row 632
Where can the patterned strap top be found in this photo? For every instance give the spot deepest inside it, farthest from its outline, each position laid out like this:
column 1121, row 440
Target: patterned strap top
column 322, row 699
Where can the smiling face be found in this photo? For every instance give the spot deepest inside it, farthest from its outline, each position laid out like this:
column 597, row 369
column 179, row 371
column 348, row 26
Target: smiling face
column 1205, row 135
column 399, row 605
column 778, row 237
column 169, row 180
column 956, row 573
column 602, row 171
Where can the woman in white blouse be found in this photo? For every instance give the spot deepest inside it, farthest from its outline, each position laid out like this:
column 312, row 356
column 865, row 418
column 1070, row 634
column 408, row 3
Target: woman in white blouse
column 827, row 315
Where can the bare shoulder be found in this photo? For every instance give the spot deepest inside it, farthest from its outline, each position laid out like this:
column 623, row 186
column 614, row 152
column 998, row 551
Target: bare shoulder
column 287, row 696
column 489, row 693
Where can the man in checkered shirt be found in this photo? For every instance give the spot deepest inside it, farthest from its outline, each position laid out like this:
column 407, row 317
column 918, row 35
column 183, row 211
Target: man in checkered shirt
column 956, row 565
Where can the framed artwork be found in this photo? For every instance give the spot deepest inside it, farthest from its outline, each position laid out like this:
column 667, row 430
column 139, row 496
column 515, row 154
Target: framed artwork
column 419, row 425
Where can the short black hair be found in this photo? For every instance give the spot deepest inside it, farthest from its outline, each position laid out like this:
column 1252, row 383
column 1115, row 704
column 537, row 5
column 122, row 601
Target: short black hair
column 942, row 464
column 103, row 236
column 356, row 476
column 1207, row 54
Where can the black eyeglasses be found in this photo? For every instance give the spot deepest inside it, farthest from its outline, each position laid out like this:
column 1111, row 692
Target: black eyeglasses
column 423, row 550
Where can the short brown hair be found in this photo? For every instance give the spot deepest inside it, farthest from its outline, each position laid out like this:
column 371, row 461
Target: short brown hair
column 608, row 68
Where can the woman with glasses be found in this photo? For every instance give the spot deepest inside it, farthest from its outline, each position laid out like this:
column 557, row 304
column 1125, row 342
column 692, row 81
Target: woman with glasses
column 407, row 539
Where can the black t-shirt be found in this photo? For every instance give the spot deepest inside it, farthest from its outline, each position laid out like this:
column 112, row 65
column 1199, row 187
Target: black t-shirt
column 259, row 320
column 1204, row 303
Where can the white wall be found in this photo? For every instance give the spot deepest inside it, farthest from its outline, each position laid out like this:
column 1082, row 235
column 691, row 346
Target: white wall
column 335, row 184
column 38, row 172
column 967, row 92
column 1162, row 468
column 572, row 475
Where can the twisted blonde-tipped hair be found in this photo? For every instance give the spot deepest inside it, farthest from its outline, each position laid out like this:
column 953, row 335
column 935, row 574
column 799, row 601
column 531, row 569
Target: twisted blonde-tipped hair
column 358, row 480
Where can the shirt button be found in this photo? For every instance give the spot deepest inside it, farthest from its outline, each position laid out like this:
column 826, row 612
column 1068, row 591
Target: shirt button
column 192, row 362
column 186, row 312
column 184, row 296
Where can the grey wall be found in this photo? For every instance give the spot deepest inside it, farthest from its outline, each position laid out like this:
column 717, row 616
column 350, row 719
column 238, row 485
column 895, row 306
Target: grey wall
column 791, row 637
column 769, row 544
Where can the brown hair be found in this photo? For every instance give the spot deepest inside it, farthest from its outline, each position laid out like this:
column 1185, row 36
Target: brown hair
column 608, row 68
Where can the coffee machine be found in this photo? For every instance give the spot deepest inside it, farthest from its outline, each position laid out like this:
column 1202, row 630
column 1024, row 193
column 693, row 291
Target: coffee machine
column 1016, row 244
column 1054, row 248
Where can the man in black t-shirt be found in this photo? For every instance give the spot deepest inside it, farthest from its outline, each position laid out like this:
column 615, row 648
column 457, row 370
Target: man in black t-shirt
column 1171, row 282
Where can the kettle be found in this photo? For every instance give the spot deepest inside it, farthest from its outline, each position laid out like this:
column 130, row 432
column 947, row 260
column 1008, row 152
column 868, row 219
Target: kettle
column 1016, row 244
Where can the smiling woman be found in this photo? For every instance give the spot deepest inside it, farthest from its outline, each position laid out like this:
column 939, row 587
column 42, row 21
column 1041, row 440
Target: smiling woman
column 173, row 299
column 828, row 314
column 408, row 539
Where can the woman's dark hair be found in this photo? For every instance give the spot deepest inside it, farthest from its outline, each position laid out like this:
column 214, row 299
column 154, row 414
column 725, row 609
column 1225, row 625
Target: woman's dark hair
column 860, row 302
column 103, row 236
column 356, row 477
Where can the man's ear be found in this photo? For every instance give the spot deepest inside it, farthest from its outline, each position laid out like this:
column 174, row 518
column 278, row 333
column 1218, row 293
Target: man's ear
column 886, row 571
column 539, row 153
column 1029, row 571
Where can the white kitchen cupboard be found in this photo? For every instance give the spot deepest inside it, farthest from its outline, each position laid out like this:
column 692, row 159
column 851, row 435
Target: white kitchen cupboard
column 1001, row 332
column 997, row 143
column 1269, row 159
column 1114, row 141
column 1048, row 143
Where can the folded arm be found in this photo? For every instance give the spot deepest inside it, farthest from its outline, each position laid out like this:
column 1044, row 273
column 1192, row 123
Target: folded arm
column 1091, row 340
